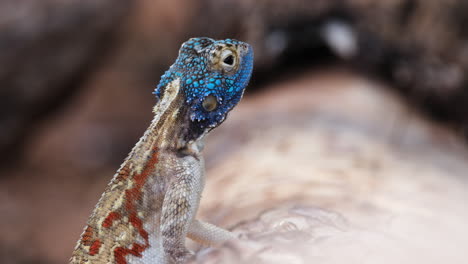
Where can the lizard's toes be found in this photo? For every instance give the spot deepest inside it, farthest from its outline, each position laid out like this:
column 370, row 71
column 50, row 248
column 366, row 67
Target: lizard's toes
column 181, row 255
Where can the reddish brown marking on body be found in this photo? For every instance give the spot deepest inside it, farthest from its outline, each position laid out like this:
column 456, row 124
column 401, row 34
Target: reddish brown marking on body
column 110, row 219
column 132, row 197
column 94, row 248
column 87, row 237
column 124, row 172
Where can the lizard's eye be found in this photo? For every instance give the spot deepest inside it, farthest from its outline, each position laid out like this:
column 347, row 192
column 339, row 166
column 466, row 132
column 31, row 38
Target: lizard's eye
column 210, row 103
column 228, row 60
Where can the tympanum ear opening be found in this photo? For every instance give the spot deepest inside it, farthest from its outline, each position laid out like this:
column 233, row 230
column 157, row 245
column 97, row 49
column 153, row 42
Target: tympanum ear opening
column 210, row 103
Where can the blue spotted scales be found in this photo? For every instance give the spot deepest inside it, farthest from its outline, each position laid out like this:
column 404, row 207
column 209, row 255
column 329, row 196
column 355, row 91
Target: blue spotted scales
column 149, row 207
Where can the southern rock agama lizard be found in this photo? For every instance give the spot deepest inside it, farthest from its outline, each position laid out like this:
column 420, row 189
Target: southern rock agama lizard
column 149, row 207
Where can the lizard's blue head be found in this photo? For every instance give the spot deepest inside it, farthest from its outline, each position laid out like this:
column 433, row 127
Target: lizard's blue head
column 213, row 75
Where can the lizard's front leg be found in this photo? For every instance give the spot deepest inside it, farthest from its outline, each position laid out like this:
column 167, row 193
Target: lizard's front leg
column 180, row 206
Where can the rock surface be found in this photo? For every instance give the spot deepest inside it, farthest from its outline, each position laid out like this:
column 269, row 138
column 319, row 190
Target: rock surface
column 334, row 169
column 327, row 167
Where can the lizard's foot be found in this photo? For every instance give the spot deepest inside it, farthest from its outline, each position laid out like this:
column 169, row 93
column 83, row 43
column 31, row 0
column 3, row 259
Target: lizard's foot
column 180, row 255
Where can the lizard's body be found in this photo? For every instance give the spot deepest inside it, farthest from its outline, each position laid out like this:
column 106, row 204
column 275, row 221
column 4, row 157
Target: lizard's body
column 148, row 208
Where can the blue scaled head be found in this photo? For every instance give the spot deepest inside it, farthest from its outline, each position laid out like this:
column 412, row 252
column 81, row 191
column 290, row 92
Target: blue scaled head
column 213, row 75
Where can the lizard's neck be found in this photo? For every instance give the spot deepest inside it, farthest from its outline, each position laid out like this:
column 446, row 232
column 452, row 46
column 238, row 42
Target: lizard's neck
column 165, row 130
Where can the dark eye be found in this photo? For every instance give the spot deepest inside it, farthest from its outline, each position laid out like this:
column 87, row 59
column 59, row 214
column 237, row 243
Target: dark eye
column 229, row 60
column 210, row 103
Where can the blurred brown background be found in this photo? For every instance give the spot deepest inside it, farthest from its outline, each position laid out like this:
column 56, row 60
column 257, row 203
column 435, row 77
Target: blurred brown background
column 357, row 114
